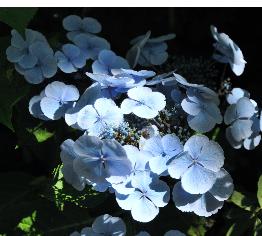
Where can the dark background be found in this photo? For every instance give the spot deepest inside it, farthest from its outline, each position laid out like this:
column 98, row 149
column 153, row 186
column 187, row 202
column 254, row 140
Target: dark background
column 191, row 26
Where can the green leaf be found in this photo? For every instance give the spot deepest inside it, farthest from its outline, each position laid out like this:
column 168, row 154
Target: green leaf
column 258, row 227
column 259, row 191
column 240, row 226
column 17, row 18
column 27, row 223
column 10, row 94
column 242, row 201
column 41, row 134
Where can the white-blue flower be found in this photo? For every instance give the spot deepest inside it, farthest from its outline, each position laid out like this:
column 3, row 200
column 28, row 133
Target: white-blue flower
column 98, row 117
column 143, row 102
column 90, row 95
column 75, row 25
column 228, row 52
column 58, row 98
column 208, row 203
column 70, row 59
column 198, row 165
column 174, row 233
column 149, row 194
column 162, row 149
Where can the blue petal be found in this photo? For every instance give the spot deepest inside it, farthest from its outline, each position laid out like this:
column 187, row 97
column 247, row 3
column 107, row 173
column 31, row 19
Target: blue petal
column 91, row 25
column 72, row 22
column 198, row 179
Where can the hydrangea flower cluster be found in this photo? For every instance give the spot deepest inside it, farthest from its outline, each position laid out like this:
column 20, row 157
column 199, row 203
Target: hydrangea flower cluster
column 131, row 121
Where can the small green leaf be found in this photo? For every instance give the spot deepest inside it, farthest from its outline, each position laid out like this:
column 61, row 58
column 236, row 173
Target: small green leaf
column 259, row 191
column 242, row 201
column 17, row 18
column 27, row 223
column 41, row 134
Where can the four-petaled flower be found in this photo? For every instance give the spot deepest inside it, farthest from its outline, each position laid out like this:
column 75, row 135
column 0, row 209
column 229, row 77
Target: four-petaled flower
column 198, row 165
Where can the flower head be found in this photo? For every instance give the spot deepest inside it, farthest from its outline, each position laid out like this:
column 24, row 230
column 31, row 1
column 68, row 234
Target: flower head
column 208, row 203
column 198, row 165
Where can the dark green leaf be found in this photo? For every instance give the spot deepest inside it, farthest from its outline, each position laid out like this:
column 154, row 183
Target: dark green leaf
column 242, row 201
column 17, row 18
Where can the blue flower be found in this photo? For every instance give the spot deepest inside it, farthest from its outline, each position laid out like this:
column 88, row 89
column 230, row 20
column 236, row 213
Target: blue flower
column 139, row 161
column 70, row 59
column 19, row 51
column 148, row 51
column 98, row 117
column 108, row 60
column 90, row 95
column 148, row 195
column 34, row 107
column 235, row 94
column 101, row 161
column 228, row 52
column 67, row 157
column 143, row 233
column 143, row 102
column 90, row 45
column 104, row 225
column 45, row 67
column 174, row 233
column 120, row 81
column 208, row 203
column 162, row 149
column 202, row 115
column 238, row 117
column 58, row 98
column 198, row 165
column 75, row 25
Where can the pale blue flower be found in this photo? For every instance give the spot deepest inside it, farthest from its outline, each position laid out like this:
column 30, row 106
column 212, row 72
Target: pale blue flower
column 149, row 194
column 75, row 25
column 174, row 233
column 202, row 115
column 198, row 165
column 67, row 157
column 139, row 161
column 70, row 59
column 143, row 102
column 208, row 203
column 106, row 225
column 98, row 117
column 90, row 95
column 163, row 149
column 34, row 107
column 235, row 94
column 58, row 98
column 149, row 51
column 45, row 66
column 238, row 117
column 19, row 51
column 228, row 52
column 90, row 45
column 101, row 161
column 120, row 81
column 108, row 60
